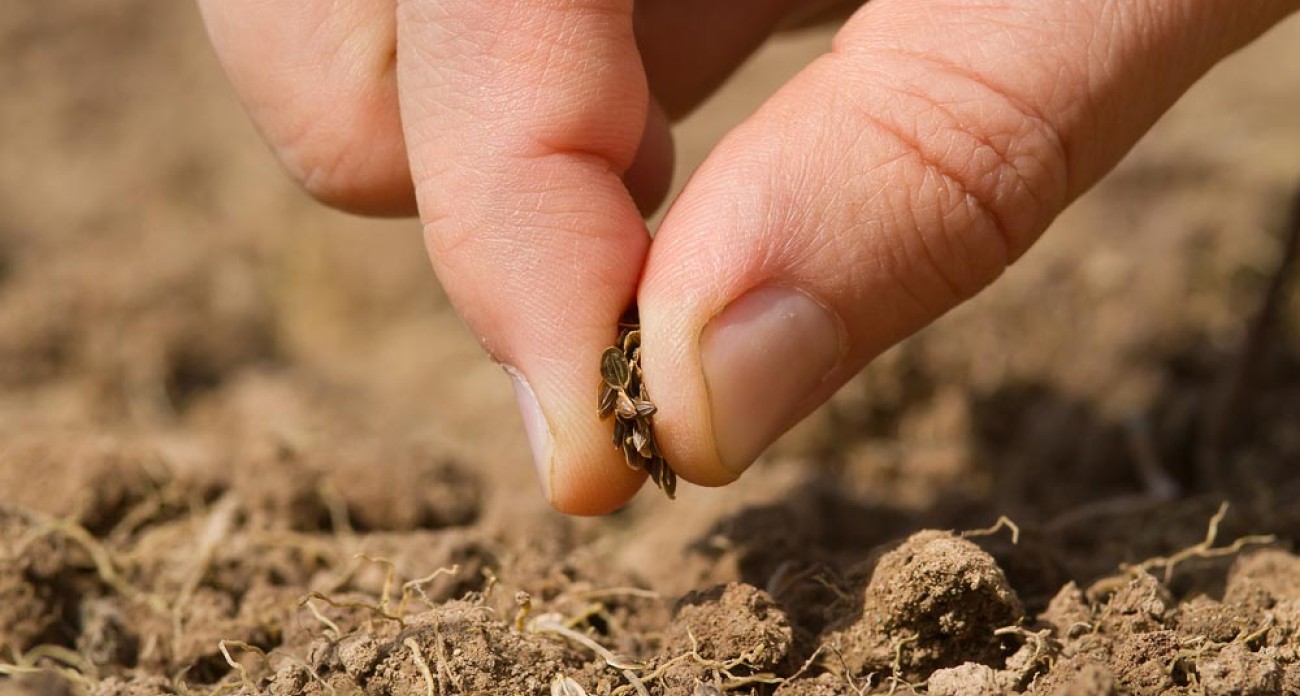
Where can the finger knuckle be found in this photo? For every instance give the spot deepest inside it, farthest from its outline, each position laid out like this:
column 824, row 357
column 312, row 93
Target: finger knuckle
column 352, row 169
column 992, row 172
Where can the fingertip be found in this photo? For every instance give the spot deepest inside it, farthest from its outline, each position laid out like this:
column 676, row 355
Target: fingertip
column 574, row 491
column 585, row 474
column 673, row 372
column 764, row 358
column 579, row 470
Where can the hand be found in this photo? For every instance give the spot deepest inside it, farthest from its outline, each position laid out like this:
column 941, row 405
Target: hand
column 890, row 180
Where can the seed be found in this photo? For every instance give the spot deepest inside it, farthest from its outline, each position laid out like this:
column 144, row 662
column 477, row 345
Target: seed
column 667, row 478
column 608, row 397
column 624, row 406
column 620, row 431
column 651, row 448
column 631, row 342
column 630, row 455
column 623, row 394
column 662, row 475
column 639, row 441
column 614, row 368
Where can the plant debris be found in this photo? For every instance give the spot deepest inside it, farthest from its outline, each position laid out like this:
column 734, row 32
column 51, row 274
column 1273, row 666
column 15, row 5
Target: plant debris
column 623, row 394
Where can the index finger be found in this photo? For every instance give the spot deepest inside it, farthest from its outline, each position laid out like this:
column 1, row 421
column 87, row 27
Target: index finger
column 520, row 119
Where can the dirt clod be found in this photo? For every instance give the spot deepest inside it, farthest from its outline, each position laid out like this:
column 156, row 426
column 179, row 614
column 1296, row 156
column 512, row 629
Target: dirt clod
column 1236, row 671
column 1079, row 676
column 1140, row 605
column 967, row 679
column 1143, row 661
column 460, row 646
column 732, row 621
column 933, row 601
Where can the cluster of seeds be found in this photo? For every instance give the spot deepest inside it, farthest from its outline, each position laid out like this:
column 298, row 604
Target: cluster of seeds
column 623, row 395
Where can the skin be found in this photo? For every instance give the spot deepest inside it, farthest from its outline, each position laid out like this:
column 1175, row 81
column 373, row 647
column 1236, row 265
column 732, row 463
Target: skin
column 890, row 180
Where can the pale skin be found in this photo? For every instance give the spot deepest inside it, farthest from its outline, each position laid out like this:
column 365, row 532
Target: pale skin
column 891, row 179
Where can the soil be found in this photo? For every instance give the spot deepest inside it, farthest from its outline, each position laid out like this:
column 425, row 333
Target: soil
column 246, row 447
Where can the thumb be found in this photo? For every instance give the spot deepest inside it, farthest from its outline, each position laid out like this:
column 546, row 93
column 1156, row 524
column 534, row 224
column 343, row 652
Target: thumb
column 889, row 181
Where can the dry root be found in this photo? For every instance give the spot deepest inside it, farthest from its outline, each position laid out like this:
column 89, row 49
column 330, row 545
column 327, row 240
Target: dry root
column 1205, row 549
column 1003, row 522
column 409, row 590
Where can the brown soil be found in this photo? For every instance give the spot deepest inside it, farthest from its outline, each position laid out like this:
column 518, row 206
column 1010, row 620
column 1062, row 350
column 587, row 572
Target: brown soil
column 245, row 446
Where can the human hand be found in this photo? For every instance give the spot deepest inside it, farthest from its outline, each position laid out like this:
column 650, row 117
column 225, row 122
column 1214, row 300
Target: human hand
column 890, row 180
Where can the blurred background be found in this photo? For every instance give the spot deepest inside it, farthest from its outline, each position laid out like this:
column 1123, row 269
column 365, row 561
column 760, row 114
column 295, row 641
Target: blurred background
column 164, row 287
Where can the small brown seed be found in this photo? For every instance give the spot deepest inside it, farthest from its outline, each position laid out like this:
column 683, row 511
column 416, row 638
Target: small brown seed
column 608, row 398
column 631, row 342
column 624, row 406
column 620, row 431
column 614, row 368
column 623, row 394
column 630, row 454
column 639, row 441
column 652, row 446
column 668, row 478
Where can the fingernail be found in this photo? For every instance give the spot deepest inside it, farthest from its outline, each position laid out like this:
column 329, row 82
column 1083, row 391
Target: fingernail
column 763, row 356
column 539, row 433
